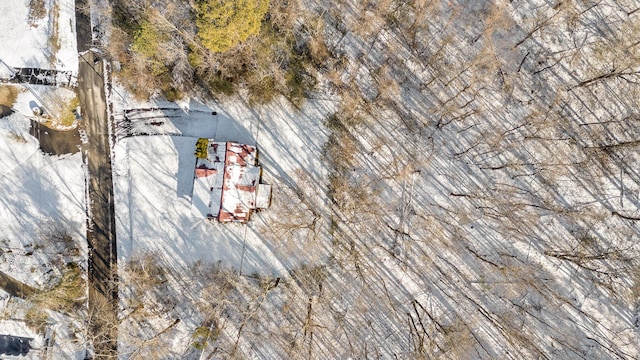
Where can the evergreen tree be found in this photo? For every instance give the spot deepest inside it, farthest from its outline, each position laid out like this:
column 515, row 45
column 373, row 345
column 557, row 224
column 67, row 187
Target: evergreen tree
column 223, row 24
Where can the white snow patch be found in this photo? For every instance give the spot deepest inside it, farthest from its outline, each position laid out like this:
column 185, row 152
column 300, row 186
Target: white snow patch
column 29, row 46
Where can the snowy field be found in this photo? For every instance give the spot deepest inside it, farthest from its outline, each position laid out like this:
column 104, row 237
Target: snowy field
column 28, row 42
column 42, row 201
column 40, row 193
column 42, row 198
column 47, row 41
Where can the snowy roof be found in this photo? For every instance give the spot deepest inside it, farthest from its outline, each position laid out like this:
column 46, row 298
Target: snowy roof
column 226, row 183
column 263, row 196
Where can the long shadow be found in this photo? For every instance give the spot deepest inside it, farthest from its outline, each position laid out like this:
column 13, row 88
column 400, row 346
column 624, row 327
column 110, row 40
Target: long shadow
column 15, row 287
column 14, row 345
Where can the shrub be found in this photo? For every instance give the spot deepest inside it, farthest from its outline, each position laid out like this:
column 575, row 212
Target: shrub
column 201, row 335
column 201, row 148
column 298, row 80
column 263, row 90
column 170, row 92
column 36, row 319
column 221, row 85
column 65, row 294
column 147, row 39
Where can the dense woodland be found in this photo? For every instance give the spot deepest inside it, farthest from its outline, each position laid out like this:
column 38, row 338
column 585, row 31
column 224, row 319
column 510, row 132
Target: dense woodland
column 220, row 47
column 480, row 194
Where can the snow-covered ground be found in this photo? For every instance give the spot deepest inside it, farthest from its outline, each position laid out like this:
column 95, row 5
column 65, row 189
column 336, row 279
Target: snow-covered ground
column 28, row 43
column 42, row 219
column 483, row 202
column 42, row 197
column 476, row 199
column 52, row 100
column 154, row 178
column 41, row 194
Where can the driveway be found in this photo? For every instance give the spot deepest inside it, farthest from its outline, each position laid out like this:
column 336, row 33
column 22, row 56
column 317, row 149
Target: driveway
column 101, row 229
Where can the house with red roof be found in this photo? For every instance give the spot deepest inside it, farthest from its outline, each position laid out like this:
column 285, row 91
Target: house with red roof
column 226, row 185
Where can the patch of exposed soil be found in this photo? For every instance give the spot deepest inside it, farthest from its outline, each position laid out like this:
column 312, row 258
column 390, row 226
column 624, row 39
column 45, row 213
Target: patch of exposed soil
column 5, row 111
column 56, row 142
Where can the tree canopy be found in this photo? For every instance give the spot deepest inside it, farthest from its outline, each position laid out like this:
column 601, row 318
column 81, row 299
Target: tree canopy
column 223, row 24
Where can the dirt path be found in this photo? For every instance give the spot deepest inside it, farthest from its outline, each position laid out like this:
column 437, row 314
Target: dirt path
column 83, row 27
column 101, row 230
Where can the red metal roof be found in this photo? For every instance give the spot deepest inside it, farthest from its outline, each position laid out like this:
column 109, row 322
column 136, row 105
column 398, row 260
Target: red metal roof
column 237, row 181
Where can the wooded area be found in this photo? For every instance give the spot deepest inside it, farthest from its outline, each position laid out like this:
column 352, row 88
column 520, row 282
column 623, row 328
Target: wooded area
column 481, row 193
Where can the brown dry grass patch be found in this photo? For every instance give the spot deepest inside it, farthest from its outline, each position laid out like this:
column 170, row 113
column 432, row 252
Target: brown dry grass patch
column 68, row 115
column 8, row 95
column 37, row 11
column 54, row 38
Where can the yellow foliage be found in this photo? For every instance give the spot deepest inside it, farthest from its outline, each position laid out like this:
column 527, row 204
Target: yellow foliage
column 147, row 39
column 223, row 24
column 201, row 148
